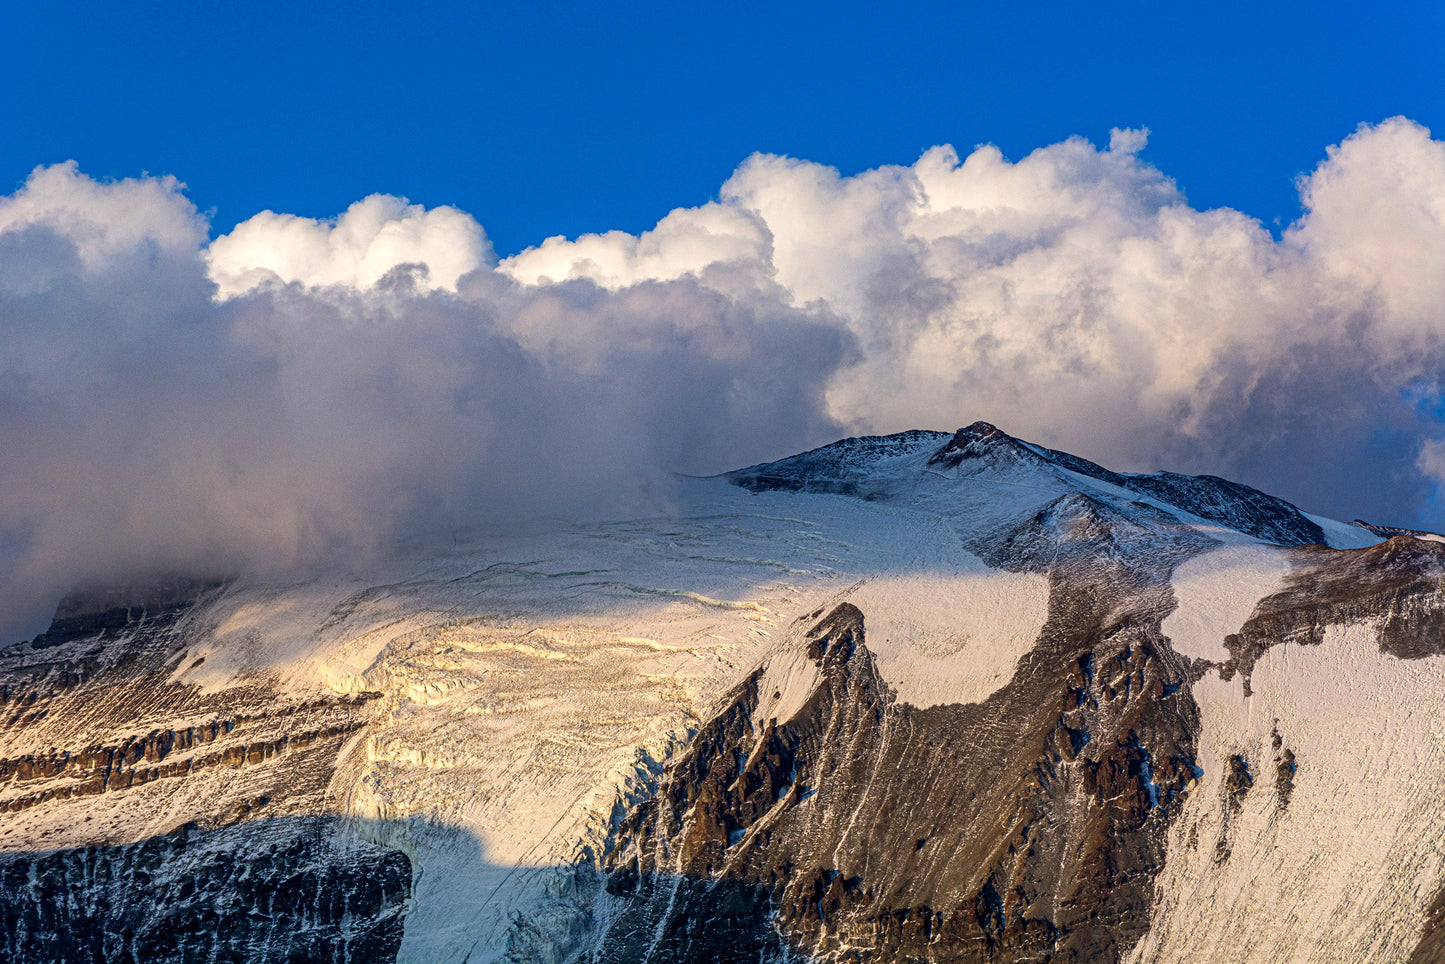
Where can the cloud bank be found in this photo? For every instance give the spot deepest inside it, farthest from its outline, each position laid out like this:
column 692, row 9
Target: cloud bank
column 1077, row 299
column 302, row 390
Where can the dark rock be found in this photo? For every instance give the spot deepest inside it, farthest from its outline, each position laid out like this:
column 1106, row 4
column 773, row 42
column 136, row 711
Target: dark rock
column 294, row 891
column 1398, row 584
column 869, row 830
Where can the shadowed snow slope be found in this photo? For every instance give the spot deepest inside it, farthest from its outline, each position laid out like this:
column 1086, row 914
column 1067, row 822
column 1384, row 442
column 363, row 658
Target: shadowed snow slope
column 925, row 697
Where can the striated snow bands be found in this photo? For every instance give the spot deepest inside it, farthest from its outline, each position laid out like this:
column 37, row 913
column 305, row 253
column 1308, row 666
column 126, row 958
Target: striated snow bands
column 534, row 683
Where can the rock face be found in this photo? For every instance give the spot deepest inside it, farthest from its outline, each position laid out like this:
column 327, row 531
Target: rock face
column 1027, row 827
column 1396, row 584
column 143, row 819
column 932, row 697
column 298, row 891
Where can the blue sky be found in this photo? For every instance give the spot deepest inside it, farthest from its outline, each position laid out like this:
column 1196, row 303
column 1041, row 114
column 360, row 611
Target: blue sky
column 545, row 118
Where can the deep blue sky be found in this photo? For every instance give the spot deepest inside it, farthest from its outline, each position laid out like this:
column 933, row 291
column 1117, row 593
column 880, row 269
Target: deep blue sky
column 543, row 118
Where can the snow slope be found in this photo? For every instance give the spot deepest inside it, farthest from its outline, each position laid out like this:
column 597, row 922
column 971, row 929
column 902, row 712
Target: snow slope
column 531, row 680
column 1342, row 868
column 1216, row 592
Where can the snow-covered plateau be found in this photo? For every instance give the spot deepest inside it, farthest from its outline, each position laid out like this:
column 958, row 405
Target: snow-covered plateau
column 931, row 697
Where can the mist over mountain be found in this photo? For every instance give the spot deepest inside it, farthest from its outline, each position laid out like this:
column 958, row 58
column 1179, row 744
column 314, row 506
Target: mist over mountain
column 807, row 483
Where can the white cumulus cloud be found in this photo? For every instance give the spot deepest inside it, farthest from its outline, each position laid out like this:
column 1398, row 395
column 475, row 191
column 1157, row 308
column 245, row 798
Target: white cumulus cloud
column 375, row 237
column 1076, row 297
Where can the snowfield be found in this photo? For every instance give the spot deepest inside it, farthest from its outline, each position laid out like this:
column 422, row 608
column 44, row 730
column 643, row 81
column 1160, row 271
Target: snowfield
column 1216, row 592
column 1345, row 870
column 533, row 679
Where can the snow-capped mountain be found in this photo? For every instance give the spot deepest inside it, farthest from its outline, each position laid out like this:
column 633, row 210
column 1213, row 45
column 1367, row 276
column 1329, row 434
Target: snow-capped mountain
column 925, row 697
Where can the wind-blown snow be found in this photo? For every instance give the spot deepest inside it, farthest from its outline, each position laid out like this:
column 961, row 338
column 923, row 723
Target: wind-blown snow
column 1216, row 592
column 952, row 632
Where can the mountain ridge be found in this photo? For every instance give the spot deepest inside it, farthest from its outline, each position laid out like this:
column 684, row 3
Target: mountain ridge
column 932, row 697
column 1210, row 497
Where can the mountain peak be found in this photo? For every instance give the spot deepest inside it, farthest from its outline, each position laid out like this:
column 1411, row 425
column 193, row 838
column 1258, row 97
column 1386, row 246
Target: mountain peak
column 981, row 429
column 874, row 467
column 978, row 439
column 978, row 432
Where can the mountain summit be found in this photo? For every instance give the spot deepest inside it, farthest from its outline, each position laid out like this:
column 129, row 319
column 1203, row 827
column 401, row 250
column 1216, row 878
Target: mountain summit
column 867, row 466
column 927, row 697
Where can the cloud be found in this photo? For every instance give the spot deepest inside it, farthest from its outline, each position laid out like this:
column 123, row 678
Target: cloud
column 105, row 220
column 374, row 238
column 690, row 241
column 157, row 414
column 303, row 391
column 1075, row 297
column 1376, row 224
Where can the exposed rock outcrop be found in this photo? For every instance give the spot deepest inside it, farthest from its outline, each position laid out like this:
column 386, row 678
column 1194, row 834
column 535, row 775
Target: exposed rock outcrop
column 143, row 818
column 295, row 891
column 860, row 828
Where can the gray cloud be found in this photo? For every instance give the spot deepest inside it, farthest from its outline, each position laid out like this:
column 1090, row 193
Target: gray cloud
column 149, row 425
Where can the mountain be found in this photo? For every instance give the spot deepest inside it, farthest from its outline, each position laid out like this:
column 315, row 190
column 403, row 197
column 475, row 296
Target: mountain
column 927, row 697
